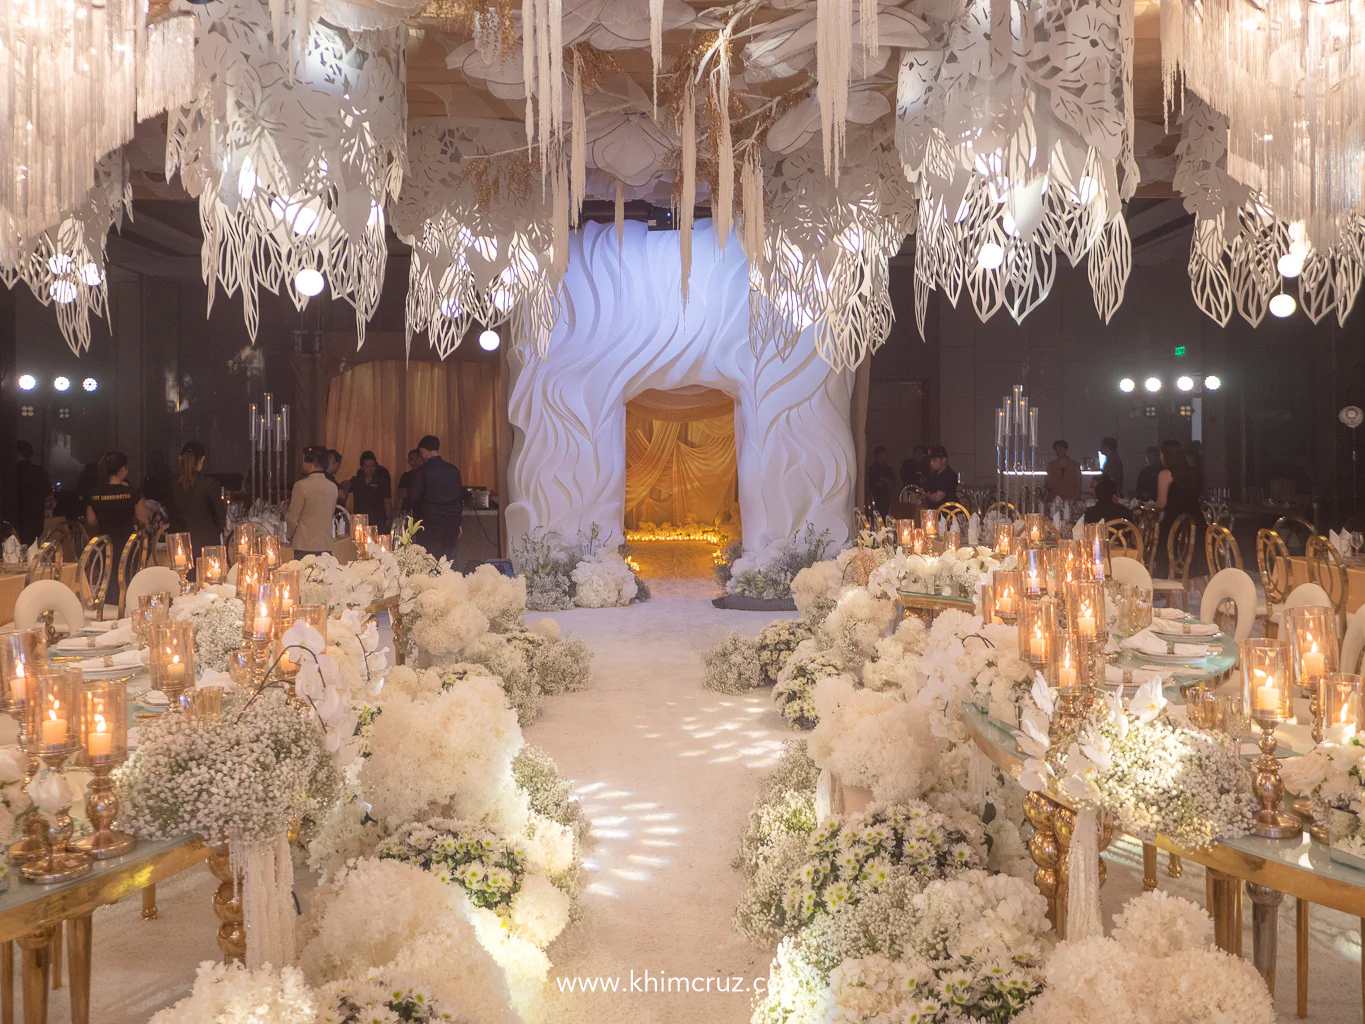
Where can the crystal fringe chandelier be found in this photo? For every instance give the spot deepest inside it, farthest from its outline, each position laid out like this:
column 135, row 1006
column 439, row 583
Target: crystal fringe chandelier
column 1242, row 251
column 1290, row 77
column 1016, row 126
column 294, row 149
column 479, row 224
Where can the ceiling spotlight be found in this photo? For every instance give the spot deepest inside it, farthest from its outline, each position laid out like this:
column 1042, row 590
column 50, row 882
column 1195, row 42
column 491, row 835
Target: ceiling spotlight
column 90, row 384
column 1290, row 264
column 309, row 282
column 1283, row 305
column 489, row 341
column 990, row 256
column 61, row 384
column 1127, row 385
column 27, row 382
column 1212, row 382
column 1185, row 383
column 1152, row 384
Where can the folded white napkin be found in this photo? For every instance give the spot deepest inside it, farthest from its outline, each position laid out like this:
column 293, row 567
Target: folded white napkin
column 1128, row 676
column 1186, row 628
column 974, row 530
column 1078, row 531
column 1168, row 613
column 212, row 677
column 1146, row 642
column 13, row 552
column 154, row 699
column 1057, row 521
column 124, row 659
column 109, row 638
column 105, row 627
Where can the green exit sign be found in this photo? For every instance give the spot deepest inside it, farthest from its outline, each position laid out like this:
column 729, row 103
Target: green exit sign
column 1180, row 350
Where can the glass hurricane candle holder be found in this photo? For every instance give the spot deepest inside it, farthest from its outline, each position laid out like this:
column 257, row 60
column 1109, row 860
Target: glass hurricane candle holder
column 384, row 542
column 1085, row 614
column 151, row 611
column 1072, row 661
column 1339, row 696
column 172, row 664
column 360, row 534
column 262, row 608
column 1095, row 537
column 1063, row 566
column 22, row 654
column 212, row 569
column 1037, row 630
column 1265, row 697
column 103, row 721
column 1005, row 584
column 905, row 531
column 243, row 544
column 250, row 574
column 1004, row 536
column 180, row 550
column 987, row 592
column 928, row 522
column 53, row 734
column 952, row 540
column 286, row 582
column 1314, row 653
column 1032, row 530
column 1033, row 572
column 271, row 552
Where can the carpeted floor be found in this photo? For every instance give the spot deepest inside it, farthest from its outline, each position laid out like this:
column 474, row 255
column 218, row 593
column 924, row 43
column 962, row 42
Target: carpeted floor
column 667, row 772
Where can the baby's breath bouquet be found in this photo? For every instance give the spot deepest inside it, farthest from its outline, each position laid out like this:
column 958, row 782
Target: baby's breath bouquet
column 244, row 776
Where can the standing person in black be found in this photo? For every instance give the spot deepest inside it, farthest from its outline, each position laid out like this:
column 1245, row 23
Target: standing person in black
column 881, row 480
column 940, row 484
column 197, row 500
column 115, row 510
column 371, row 491
column 1145, row 489
column 915, row 468
column 437, row 499
column 1177, row 494
column 405, row 481
column 32, row 488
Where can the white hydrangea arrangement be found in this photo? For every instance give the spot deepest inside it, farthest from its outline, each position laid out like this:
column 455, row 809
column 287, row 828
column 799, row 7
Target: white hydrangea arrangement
column 769, row 570
column 216, row 614
column 893, row 668
column 816, row 588
column 854, row 625
column 603, row 580
column 1159, row 964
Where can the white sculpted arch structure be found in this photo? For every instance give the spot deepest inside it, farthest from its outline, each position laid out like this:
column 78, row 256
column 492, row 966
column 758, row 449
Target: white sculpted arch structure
column 623, row 329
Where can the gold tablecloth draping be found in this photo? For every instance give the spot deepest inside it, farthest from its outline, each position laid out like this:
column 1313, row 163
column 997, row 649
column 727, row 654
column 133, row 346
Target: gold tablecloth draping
column 12, row 585
column 1355, row 580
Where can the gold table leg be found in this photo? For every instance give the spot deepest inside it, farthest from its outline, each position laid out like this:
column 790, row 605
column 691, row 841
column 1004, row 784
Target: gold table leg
column 1175, row 867
column 37, row 962
column 227, row 904
column 1301, row 954
column 1238, row 933
column 7, row 983
column 57, row 957
column 1265, row 914
column 79, row 936
column 1223, row 908
column 1148, row 867
column 149, row 907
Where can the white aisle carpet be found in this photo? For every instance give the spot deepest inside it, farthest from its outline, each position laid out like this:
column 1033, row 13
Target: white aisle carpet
column 666, row 771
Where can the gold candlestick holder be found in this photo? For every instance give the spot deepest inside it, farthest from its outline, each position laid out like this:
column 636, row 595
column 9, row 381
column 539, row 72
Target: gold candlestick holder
column 103, row 724
column 1265, row 696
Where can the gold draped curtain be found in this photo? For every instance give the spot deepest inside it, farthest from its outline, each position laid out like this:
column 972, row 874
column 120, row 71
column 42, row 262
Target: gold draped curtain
column 387, row 405
column 680, row 456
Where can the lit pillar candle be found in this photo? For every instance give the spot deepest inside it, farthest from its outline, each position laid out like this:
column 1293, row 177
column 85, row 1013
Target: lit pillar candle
column 18, row 684
column 1066, row 674
column 1036, row 642
column 54, row 728
column 100, row 743
column 1314, row 660
column 1267, row 693
column 1085, row 621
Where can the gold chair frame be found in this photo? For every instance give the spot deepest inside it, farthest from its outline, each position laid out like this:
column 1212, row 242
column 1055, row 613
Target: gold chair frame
column 48, row 564
column 956, row 510
column 1180, row 554
column 1149, row 525
column 92, row 592
column 1327, row 570
column 152, row 556
column 1125, row 539
column 1272, row 562
column 1003, row 509
column 131, row 562
column 1287, row 527
column 1220, row 549
column 340, row 513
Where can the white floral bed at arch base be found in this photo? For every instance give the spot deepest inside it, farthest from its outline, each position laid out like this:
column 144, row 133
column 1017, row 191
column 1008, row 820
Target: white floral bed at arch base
column 623, row 328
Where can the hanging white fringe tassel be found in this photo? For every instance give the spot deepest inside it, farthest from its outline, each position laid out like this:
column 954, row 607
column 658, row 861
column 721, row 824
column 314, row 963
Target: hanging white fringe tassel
column 578, row 145
column 620, row 216
column 752, row 198
column 833, row 55
column 528, row 66
column 978, row 777
column 560, row 210
column 656, row 45
column 723, row 202
column 1083, row 879
column 263, row 871
column 688, row 200
column 166, row 68
column 554, row 23
column 868, row 27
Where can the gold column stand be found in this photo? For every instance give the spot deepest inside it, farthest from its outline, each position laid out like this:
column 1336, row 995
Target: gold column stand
column 1053, row 827
column 150, row 911
column 227, row 904
column 101, row 805
column 1265, row 912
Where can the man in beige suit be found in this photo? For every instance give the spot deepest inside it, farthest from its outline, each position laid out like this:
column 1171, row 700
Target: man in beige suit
column 311, row 505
